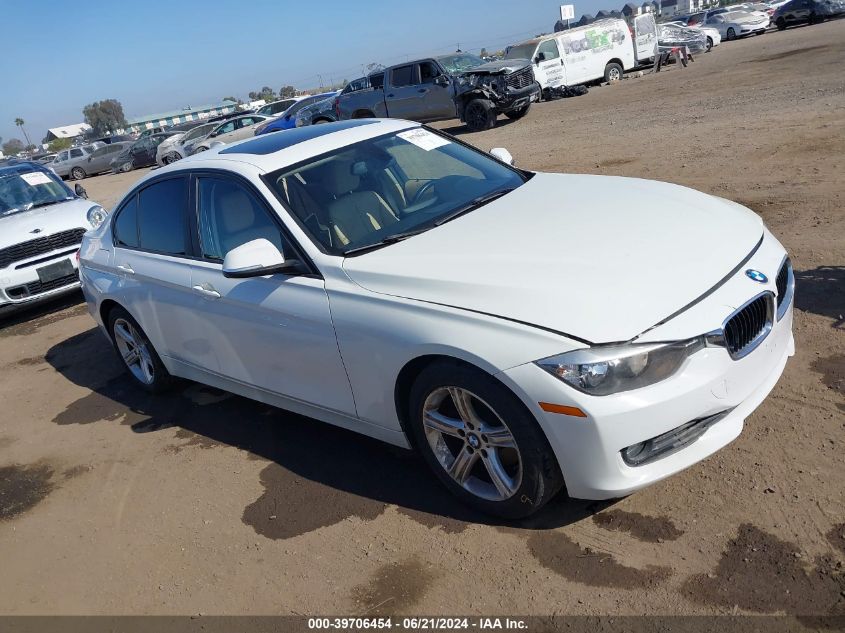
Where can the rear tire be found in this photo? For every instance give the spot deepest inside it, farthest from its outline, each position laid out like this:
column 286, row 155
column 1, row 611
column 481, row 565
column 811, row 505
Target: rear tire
column 480, row 115
column 781, row 24
column 501, row 460
column 613, row 72
column 136, row 353
column 709, row 44
column 518, row 113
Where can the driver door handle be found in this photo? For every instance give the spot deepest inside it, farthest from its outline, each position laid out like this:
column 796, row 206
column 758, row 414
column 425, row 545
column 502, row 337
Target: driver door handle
column 126, row 268
column 423, row 90
column 207, row 290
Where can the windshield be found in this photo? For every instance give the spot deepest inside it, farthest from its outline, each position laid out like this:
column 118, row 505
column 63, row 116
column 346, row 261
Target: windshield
column 457, row 64
column 384, row 189
column 24, row 190
column 521, row 51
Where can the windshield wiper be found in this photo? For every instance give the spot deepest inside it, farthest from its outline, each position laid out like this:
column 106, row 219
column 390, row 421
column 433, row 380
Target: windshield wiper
column 472, row 205
column 47, row 203
column 390, row 239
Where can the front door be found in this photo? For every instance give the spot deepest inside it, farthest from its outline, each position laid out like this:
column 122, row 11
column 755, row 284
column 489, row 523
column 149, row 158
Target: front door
column 439, row 103
column 273, row 332
column 548, row 65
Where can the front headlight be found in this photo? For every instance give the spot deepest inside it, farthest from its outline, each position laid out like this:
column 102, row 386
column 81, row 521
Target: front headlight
column 601, row 371
column 96, row 215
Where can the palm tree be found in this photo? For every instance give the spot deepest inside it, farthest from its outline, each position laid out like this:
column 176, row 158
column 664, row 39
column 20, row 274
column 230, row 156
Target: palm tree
column 20, row 123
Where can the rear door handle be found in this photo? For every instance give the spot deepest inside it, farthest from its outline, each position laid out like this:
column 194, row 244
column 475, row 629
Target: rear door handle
column 423, row 90
column 207, row 290
column 126, row 268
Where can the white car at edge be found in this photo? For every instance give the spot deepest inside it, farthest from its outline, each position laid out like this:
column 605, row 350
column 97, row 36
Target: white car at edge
column 523, row 331
column 42, row 222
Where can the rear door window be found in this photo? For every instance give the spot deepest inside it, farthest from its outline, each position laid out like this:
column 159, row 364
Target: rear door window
column 404, row 76
column 161, row 216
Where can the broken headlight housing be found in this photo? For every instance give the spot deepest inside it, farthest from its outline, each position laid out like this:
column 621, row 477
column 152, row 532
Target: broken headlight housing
column 605, row 370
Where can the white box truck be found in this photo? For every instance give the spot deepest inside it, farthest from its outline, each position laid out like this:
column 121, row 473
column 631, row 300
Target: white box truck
column 603, row 50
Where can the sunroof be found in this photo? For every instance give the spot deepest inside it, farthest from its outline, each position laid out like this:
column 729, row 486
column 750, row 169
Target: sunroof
column 274, row 141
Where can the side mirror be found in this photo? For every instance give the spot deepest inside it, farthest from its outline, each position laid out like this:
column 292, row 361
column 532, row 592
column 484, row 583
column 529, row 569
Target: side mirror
column 540, row 58
column 212, row 135
column 502, row 154
column 79, row 190
column 256, row 259
column 442, row 80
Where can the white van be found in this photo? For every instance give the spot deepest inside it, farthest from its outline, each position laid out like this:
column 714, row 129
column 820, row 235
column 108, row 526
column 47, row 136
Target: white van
column 601, row 50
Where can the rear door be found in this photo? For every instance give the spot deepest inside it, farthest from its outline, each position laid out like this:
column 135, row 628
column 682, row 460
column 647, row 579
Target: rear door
column 273, row 332
column 404, row 95
column 152, row 254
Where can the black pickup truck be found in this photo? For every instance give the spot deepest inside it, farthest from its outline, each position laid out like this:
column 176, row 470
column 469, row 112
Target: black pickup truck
column 446, row 87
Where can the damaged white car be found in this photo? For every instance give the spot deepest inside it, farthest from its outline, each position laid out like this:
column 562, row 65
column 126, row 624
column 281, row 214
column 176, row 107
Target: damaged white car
column 524, row 331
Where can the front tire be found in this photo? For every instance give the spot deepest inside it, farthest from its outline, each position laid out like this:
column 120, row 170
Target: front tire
column 731, row 34
column 480, row 115
column 137, row 354
column 481, row 442
column 709, row 44
column 518, row 113
column 613, row 72
column 781, row 24
column 77, row 173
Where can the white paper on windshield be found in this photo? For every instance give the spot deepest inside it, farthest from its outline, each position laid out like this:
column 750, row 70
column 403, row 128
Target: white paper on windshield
column 423, row 139
column 36, row 178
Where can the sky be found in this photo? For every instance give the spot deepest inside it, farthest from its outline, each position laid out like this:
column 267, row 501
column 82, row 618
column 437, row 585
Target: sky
column 154, row 56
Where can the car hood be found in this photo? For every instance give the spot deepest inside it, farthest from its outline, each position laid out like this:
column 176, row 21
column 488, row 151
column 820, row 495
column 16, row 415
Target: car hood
column 750, row 18
column 20, row 227
column 599, row 258
column 499, row 66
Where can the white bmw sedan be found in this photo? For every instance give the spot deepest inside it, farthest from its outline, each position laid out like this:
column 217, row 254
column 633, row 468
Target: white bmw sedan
column 524, row 331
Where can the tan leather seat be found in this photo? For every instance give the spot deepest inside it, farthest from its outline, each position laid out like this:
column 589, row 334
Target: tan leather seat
column 354, row 214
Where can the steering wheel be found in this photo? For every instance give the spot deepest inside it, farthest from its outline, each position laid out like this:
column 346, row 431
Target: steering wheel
column 427, row 187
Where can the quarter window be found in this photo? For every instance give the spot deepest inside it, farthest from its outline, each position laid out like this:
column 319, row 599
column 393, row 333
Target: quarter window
column 161, row 216
column 230, row 216
column 126, row 224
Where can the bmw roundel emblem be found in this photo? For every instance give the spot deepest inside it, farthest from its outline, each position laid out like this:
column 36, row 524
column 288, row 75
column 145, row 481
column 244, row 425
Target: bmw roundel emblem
column 756, row 275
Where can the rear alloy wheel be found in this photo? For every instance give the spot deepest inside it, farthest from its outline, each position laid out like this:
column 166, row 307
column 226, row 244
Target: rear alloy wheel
column 125, row 167
column 480, row 115
column 613, row 72
column 481, row 442
column 781, row 24
column 731, row 34
column 77, row 173
column 135, row 350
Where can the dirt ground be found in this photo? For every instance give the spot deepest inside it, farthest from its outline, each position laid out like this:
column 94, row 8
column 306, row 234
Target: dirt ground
column 114, row 502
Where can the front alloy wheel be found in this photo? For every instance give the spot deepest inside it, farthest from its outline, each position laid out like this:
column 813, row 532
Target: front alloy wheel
column 472, row 443
column 481, row 441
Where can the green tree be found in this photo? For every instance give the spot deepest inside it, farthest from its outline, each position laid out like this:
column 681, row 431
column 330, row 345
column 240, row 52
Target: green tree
column 13, row 147
column 20, row 123
column 287, row 91
column 104, row 116
column 235, row 99
column 58, row 144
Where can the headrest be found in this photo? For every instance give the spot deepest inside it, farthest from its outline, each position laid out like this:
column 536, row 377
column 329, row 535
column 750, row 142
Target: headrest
column 339, row 178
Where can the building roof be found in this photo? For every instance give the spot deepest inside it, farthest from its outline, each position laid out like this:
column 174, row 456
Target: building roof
column 69, row 131
column 182, row 112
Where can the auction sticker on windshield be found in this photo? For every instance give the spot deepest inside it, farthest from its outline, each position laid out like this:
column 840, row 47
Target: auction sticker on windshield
column 36, row 178
column 423, row 139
